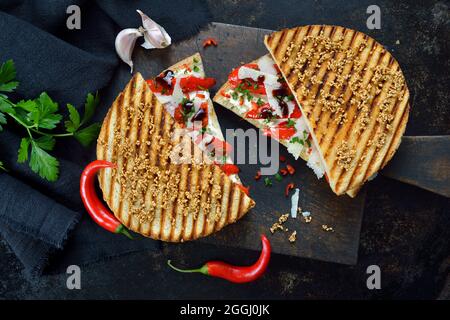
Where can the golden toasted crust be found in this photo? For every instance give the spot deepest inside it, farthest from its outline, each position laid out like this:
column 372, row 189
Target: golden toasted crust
column 149, row 192
column 353, row 94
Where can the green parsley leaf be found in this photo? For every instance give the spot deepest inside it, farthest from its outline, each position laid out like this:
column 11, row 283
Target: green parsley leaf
column 9, row 87
column 46, row 142
column 46, row 118
column 278, row 177
column 267, row 182
column 260, row 102
column 73, row 124
column 89, row 107
column 2, row 166
column 6, row 107
column 290, row 97
column 2, row 120
column 22, row 155
column 87, row 135
column 235, row 95
column 196, row 69
column 7, row 74
column 43, row 163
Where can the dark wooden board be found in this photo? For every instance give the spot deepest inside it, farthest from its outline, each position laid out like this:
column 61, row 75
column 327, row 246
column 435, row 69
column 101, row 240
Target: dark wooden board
column 239, row 44
column 423, row 162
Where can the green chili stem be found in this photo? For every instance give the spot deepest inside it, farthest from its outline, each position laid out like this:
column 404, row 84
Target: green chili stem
column 203, row 269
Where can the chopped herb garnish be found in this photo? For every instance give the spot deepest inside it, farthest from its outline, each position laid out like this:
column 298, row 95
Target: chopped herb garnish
column 255, row 86
column 308, row 143
column 196, row 69
column 235, row 95
column 202, row 130
column 290, row 97
column 267, row 182
column 260, row 102
column 290, row 123
column 195, row 60
column 297, row 140
column 278, row 177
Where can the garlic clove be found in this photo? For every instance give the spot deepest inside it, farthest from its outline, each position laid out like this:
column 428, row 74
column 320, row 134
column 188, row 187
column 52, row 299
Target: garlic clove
column 155, row 35
column 125, row 42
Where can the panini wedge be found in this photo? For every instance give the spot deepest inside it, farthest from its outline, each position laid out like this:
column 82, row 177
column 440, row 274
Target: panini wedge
column 257, row 93
column 353, row 94
column 151, row 192
column 183, row 90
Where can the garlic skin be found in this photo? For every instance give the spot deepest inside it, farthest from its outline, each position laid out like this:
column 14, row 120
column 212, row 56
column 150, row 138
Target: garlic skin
column 155, row 35
column 125, row 41
column 155, row 38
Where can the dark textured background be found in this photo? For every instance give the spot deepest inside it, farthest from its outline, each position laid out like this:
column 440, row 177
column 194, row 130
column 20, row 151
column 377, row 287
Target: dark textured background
column 405, row 230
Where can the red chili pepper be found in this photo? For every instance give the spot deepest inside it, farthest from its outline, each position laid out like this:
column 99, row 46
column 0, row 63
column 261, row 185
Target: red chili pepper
column 209, row 42
column 192, row 83
column 290, row 169
column 258, row 175
column 283, row 172
column 96, row 209
column 232, row 273
column 289, row 187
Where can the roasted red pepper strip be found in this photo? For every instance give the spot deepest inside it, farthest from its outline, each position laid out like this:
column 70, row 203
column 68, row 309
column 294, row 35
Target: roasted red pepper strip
column 283, row 172
column 244, row 189
column 229, row 168
column 258, row 175
column 192, row 83
column 289, row 187
column 96, row 209
column 232, row 273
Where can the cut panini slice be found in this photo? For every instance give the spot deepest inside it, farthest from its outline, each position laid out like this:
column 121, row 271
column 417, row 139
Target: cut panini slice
column 151, row 192
column 257, row 93
column 175, row 97
column 352, row 93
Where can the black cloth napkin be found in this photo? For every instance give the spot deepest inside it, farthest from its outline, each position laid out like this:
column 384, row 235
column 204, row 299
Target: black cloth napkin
column 39, row 219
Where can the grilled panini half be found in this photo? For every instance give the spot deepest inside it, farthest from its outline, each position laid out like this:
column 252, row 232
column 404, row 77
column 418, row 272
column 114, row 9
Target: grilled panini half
column 150, row 192
column 353, row 94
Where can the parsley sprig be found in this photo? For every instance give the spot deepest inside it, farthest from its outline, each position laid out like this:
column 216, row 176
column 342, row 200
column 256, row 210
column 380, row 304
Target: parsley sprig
column 39, row 117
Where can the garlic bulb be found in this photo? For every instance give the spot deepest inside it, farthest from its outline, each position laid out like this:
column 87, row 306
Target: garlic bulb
column 155, row 38
column 125, row 42
column 155, row 35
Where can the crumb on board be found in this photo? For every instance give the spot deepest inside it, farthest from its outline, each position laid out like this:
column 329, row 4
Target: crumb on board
column 307, row 219
column 279, row 225
column 293, row 237
column 327, row 228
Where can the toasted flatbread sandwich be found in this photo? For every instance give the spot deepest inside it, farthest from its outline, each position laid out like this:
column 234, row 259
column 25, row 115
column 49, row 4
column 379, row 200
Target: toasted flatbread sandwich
column 257, row 92
column 183, row 90
column 352, row 93
column 154, row 190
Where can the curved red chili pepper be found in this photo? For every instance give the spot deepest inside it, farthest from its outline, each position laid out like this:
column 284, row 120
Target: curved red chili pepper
column 96, row 209
column 232, row 273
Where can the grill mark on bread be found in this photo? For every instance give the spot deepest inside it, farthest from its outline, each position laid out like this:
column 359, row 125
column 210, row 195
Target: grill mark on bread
column 376, row 130
column 371, row 134
column 139, row 130
column 334, row 133
column 327, row 139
